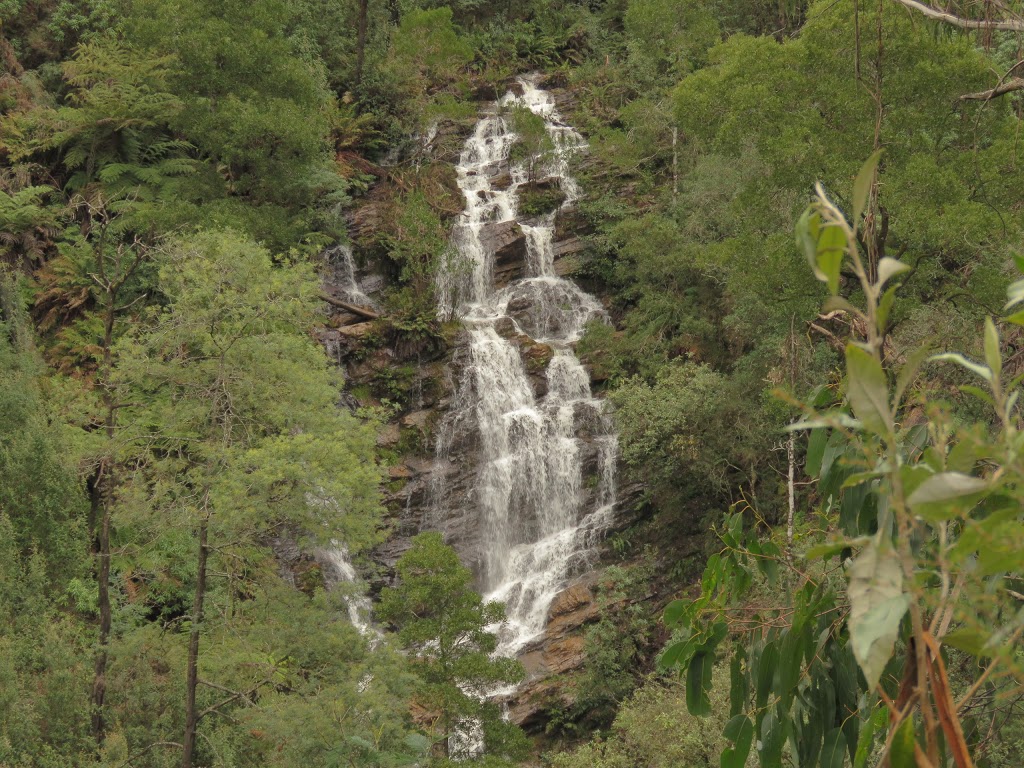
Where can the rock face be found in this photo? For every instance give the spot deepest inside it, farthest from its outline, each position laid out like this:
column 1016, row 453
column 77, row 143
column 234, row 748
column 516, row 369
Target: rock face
column 559, row 651
column 508, row 243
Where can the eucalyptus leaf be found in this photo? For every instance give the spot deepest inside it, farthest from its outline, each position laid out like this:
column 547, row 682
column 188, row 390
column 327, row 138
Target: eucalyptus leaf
column 829, row 256
column 740, row 731
column 888, row 268
column 868, row 390
column 992, row 355
column 931, row 499
column 833, row 752
column 877, row 605
column 953, row 357
column 862, row 184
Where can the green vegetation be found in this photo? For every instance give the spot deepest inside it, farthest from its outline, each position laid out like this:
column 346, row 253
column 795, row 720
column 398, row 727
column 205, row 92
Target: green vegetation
column 443, row 623
column 173, row 448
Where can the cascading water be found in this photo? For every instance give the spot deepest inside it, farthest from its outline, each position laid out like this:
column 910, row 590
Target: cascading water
column 343, row 572
column 345, row 275
column 538, row 521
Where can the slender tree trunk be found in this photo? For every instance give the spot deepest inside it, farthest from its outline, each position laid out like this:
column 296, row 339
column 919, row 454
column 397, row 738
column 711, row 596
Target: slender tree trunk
column 103, row 492
column 361, row 40
column 791, row 443
column 191, row 718
column 791, row 484
column 675, row 163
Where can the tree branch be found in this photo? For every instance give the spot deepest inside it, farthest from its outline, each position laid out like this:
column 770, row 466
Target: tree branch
column 1011, row 85
column 1010, row 25
column 369, row 314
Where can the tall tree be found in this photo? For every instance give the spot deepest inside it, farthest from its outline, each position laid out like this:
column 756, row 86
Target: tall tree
column 444, row 623
column 242, row 417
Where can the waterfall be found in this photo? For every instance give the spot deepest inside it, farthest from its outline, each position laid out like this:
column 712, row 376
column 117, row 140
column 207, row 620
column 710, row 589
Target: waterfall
column 345, row 274
column 343, row 572
column 538, row 521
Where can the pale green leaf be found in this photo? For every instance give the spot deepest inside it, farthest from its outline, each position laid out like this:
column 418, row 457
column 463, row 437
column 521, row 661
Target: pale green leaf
column 862, row 185
column 888, row 268
column 868, row 390
column 877, row 605
column 829, row 257
column 992, row 355
column 962, row 361
column 838, row 303
column 946, row 486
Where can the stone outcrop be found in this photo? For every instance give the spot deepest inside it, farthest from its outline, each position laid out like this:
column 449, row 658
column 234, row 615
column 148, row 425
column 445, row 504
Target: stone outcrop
column 508, row 243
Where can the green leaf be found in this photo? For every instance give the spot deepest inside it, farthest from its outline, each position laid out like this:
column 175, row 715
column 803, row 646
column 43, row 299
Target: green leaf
column 866, row 742
column 888, row 268
column 827, row 550
column 969, row 640
column 868, row 390
column 787, row 672
column 931, row 499
column 992, row 354
column 909, row 370
column 765, row 673
column 877, row 605
column 1017, row 318
column 829, row 257
column 978, row 392
column 698, row 684
column 962, row 361
column 834, row 303
column 862, row 185
column 885, row 307
column 833, row 753
column 807, row 228
column 901, row 753
column 739, row 685
column 816, row 442
column 740, row 731
column 676, row 654
column 674, row 612
column 773, row 739
column 1014, row 294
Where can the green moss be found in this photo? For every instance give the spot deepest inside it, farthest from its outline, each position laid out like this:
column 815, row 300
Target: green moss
column 539, row 199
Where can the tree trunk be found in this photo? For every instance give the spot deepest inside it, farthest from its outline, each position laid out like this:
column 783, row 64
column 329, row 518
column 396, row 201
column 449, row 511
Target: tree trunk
column 791, row 485
column 361, row 40
column 191, row 717
column 103, row 492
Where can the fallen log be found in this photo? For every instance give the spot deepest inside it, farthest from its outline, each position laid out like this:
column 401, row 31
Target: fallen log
column 369, row 314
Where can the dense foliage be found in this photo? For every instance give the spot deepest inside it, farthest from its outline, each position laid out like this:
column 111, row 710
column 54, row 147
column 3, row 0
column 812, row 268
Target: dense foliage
column 171, row 435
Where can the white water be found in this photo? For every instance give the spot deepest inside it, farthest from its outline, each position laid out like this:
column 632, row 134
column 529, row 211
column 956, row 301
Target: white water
column 359, row 606
column 538, row 521
column 341, row 256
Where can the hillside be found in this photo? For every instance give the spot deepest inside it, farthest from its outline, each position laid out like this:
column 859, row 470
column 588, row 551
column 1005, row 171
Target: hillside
column 613, row 383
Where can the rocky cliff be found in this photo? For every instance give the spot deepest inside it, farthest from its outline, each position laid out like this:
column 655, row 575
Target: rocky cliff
column 422, row 491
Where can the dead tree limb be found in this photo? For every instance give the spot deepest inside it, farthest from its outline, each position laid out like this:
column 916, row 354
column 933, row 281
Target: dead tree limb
column 369, row 314
column 1011, row 85
column 1009, row 25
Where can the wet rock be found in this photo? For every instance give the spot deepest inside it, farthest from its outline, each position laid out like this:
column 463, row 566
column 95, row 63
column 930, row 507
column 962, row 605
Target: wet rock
column 508, row 243
column 570, row 599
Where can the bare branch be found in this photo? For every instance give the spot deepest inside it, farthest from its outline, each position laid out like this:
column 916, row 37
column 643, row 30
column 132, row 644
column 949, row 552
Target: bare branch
column 1010, row 25
column 369, row 314
column 1011, row 85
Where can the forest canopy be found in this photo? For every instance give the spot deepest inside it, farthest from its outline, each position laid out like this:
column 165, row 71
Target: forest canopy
column 816, row 555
